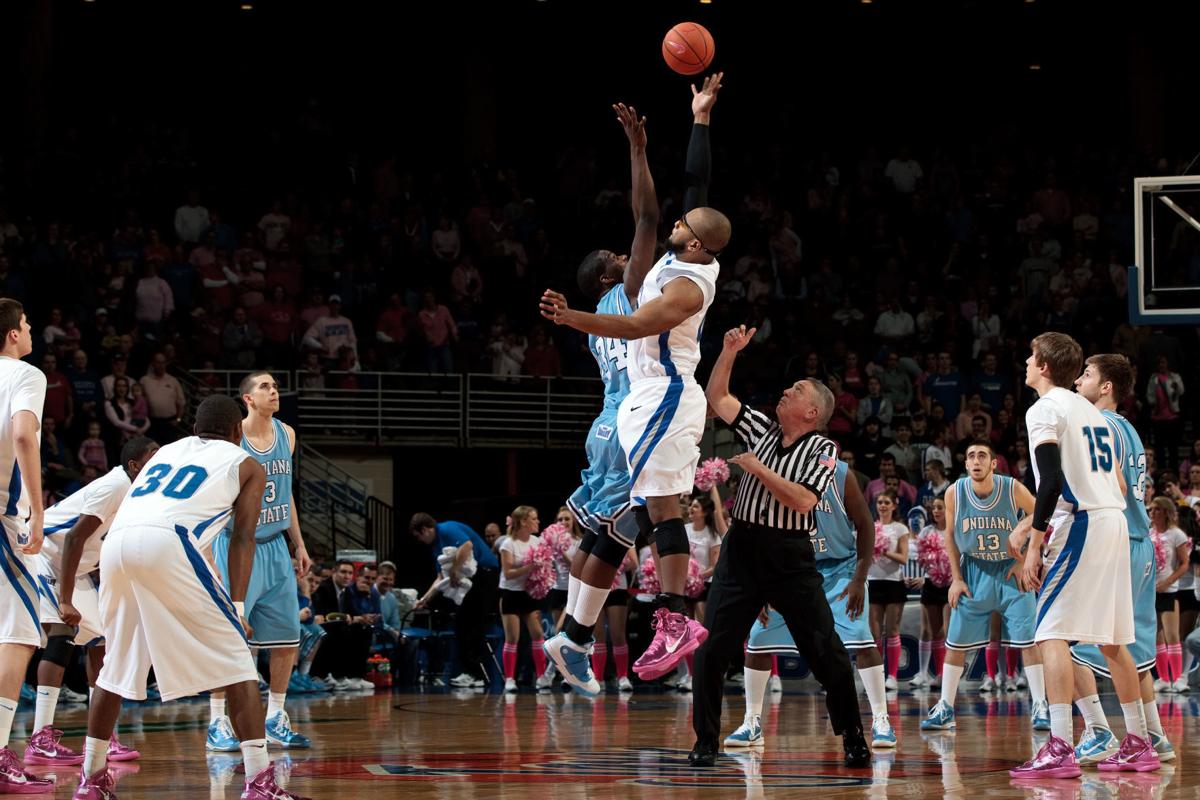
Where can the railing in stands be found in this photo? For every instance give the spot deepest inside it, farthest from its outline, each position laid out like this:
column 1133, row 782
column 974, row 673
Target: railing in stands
column 333, row 504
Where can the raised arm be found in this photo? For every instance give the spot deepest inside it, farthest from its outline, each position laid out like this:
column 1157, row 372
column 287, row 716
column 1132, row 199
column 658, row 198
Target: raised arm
column 698, row 167
column 717, row 392
column 681, row 298
column 645, row 202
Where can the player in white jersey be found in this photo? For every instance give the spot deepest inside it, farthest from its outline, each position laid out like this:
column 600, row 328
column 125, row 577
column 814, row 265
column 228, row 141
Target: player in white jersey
column 661, row 420
column 1084, row 594
column 161, row 603
column 604, row 499
column 1106, row 378
column 70, row 603
column 22, row 395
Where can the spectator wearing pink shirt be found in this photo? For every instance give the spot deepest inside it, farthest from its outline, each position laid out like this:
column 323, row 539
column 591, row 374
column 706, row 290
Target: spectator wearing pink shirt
column 439, row 330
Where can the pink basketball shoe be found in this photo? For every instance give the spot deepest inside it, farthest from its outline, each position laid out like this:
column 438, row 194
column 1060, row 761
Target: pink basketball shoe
column 44, row 748
column 675, row 637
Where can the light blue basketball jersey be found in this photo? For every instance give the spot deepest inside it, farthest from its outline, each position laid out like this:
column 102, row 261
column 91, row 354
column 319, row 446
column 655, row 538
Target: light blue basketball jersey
column 1131, row 455
column 612, row 355
column 982, row 524
column 836, row 537
column 276, row 513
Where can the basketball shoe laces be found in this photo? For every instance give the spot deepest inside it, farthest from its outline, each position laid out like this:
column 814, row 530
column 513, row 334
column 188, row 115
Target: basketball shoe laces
column 674, row 625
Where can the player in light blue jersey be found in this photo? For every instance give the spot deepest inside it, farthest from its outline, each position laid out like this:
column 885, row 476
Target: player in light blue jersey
column 1106, row 379
column 844, row 548
column 272, row 608
column 611, row 518
column 982, row 509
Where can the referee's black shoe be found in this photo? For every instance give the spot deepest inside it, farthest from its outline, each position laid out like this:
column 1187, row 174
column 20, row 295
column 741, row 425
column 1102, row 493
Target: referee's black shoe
column 854, row 745
column 704, row 754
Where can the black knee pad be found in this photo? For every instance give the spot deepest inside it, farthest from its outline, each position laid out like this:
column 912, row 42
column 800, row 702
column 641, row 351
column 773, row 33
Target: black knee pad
column 58, row 650
column 670, row 537
column 610, row 551
column 588, row 542
column 645, row 536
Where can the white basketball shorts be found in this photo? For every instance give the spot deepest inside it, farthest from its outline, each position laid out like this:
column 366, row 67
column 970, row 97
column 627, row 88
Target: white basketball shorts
column 161, row 605
column 660, row 424
column 1086, row 595
column 19, row 597
column 86, row 599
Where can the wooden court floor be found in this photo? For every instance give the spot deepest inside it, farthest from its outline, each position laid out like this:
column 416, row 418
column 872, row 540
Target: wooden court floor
column 521, row 747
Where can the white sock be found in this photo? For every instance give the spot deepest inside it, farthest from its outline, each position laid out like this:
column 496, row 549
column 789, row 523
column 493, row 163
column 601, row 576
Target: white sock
column 95, row 755
column 573, row 585
column 90, row 690
column 8, row 709
column 1135, row 719
column 924, row 653
column 275, row 702
column 951, row 675
column 254, row 756
column 1093, row 713
column 1060, row 721
column 47, row 701
column 756, row 689
column 216, row 708
column 589, row 604
column 1153, row 723
column 1036, row 676
column 873, row 683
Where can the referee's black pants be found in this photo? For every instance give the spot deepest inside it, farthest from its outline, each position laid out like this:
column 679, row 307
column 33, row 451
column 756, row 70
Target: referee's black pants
column 760, row 566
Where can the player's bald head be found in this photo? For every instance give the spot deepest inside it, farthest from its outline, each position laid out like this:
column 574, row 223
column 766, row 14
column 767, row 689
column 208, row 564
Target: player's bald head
column 711, row 227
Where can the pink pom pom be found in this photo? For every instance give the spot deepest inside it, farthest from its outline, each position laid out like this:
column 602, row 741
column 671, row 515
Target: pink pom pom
column 559, row 539
column 882, row 542
column 648, row 578
column 694, row 585
column 540, row 579
column 932, row 556
column 712, row 472
column 1160, row 551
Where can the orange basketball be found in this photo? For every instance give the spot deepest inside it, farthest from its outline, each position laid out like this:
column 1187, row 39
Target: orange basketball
column 688, row 48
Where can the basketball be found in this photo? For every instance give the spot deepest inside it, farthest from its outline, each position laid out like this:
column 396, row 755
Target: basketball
column 688, row 48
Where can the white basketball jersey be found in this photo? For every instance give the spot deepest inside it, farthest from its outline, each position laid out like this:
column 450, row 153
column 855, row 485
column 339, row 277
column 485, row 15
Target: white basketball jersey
column 22, row 388
column 100, row 499
column 676, row 352
column 188, row 487
column 1085, row 441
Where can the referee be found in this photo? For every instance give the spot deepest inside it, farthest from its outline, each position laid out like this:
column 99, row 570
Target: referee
column 767, row 557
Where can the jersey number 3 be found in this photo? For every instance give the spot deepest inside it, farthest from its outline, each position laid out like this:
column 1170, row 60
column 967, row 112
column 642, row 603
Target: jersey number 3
column 1098, row 443
column 182, row 485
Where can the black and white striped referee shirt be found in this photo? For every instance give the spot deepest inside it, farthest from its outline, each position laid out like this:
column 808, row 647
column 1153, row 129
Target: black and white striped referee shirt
column 808, row 461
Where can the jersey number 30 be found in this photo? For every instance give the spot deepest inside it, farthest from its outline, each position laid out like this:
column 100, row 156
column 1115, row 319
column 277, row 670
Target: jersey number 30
column 1098, row 443
column 182, row 485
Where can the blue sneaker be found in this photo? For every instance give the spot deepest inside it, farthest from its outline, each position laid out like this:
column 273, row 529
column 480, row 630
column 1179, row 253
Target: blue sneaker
column 1096, row 745
column 152, row 693
column 1041, row 716
column 748, row 735
column 941, row 718
column 221, row 738
column 882, row 734
column 279, row 732
column 573, row 664
column 314, row 686
column 1161, row 746
column 296, row 685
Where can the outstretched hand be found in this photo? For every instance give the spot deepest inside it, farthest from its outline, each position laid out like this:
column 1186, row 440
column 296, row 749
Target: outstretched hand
column 635, row 128
column 554, row 307
column 706, row 97
column 737, row 338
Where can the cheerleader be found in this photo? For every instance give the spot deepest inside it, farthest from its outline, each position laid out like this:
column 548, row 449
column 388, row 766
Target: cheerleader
column 935, row 611
column 886, row 583
column 616, row 612
column 515, row 603
column 1176, row 547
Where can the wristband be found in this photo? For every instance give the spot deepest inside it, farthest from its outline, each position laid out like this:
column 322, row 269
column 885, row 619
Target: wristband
column 240, row 607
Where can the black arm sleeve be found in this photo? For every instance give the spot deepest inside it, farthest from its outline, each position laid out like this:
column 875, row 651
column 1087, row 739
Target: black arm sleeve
column 698, row 169
column 1049, row 463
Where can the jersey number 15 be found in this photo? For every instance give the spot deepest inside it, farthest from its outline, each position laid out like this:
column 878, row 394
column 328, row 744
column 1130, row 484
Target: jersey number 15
column 1098, row 443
